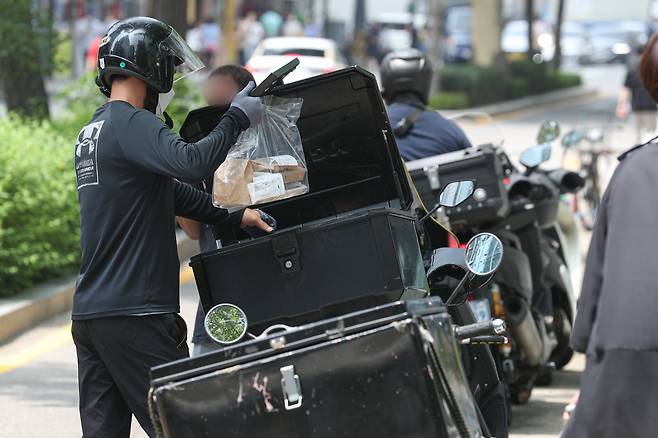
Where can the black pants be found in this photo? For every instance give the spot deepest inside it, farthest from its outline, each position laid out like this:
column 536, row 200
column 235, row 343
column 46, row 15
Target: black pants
column 115, row 355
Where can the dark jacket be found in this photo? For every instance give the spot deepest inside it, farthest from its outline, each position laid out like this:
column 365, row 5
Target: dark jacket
column 619, row 300
column 431, row 134
column 127, row 165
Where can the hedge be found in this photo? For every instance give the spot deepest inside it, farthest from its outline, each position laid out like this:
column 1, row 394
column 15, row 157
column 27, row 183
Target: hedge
column 39, row 211
column 39, row 219
column 481, row 85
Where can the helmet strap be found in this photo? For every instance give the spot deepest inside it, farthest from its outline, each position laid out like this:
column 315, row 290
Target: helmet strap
column 151, row 99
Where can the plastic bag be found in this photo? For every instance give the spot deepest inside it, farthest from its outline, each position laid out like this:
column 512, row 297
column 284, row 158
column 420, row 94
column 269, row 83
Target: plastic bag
column 267, row 162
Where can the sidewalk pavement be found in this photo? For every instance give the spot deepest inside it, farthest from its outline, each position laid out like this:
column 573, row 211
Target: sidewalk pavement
column 530, row 102
column 25, row 310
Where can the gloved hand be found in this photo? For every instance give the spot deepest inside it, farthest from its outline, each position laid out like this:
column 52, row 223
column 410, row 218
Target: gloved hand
column 252, row 107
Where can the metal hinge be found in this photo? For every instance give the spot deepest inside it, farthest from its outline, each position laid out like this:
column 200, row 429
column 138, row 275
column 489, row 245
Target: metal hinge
column 292, row 388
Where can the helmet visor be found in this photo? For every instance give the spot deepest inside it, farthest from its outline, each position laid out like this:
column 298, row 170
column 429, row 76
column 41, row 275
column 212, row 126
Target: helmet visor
column 186, row 61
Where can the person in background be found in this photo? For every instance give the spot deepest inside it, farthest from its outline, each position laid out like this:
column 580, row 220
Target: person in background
column 635, row 99
column 272, row 22
column 616, row 322
column 419, row 133
column 223, row 84
column 211, row 35
column 194, row 39
column 292, row 27
column 250, row 33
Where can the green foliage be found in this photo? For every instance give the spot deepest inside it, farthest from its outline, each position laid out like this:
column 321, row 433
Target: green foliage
column 78, row 100
column 560, row 80
column 516, row 88
column 536, row 75
column 481, row 85
column 187, row 98
column 487, row 85
column 26, row 34
column 448, row 100
column 62, row 52
column 39, row 219
column 39, row 212
column 82, row 98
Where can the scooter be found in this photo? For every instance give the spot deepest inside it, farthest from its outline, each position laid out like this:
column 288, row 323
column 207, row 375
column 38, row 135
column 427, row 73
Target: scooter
column 532, row 291
column 448, row 275
column 227, row 324
column 534, row 283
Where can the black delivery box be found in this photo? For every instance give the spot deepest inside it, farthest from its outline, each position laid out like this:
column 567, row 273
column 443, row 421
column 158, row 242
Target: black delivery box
column 390, row 371
column 483, row 165
column 348, row 244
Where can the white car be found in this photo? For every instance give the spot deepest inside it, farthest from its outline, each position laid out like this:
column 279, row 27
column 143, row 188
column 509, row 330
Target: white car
column 316, row 56
column 514, row 39
column 395, row 33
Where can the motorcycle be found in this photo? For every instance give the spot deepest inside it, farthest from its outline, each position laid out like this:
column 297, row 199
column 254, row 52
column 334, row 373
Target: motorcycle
column 532, row 291
column 183, row 401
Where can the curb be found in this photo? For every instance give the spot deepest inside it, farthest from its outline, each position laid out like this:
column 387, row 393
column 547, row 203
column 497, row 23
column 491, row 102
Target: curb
column 512, row 106
column 21, row 312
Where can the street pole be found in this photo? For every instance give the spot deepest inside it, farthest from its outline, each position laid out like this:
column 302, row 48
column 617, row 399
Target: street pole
column 530, row 18
column 229, row 34
column 434, row 46
column 557, row 60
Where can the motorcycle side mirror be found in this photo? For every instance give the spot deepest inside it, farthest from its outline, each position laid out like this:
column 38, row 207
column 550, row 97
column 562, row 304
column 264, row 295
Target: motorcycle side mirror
column 549, row 131
column 455, row 193
column 594, row 135
column 452, row 195
column 483, row 255
column 226, row 323
column 536, row 155
column 572, row 138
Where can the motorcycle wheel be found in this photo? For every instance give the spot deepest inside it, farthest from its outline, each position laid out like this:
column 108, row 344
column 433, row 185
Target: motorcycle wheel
column 562, row 354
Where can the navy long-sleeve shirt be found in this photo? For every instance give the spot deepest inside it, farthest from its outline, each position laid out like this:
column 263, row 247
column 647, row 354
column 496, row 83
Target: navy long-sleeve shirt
column 431, row 135
column 127, row 166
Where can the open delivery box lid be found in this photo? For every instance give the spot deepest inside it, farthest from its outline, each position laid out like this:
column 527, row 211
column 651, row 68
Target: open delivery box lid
column 349, row 147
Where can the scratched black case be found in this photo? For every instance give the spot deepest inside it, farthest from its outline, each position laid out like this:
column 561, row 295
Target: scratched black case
column 348, row 244
column 390, row 371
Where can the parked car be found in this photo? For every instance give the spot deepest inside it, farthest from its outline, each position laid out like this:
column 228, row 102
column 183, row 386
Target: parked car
column 514, row 39
column 614, row 41
column 396, row 30
column 575, row 42
column 458, row 25
column 316, row 56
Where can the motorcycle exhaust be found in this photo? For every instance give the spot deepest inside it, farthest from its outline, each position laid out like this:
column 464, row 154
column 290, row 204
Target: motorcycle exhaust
column 523, row 329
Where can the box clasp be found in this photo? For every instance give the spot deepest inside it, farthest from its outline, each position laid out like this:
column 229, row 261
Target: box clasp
column 292, row 388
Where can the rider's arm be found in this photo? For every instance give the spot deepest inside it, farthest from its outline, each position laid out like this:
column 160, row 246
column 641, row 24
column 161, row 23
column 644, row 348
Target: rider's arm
column 147, row 143
column 197, row 205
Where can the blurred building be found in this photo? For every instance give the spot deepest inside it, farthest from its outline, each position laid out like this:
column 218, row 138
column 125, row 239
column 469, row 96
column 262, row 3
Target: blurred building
column 582, row 10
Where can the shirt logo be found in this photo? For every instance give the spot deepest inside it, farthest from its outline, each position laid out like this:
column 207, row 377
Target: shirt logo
column 86, row 155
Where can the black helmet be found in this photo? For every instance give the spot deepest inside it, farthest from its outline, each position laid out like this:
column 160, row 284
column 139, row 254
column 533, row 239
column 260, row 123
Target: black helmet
column 147, row 49
column 406, row 71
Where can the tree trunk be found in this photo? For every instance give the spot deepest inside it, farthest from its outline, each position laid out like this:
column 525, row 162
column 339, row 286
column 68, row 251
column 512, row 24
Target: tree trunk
column 21, row 59
column 530, row 18
column 435, row 40
column 172, row 12
column 557, row 60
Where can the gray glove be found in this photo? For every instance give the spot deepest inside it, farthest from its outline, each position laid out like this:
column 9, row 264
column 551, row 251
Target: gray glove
column 252, row 107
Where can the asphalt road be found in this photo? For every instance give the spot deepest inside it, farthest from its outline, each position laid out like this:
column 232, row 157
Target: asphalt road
column 38, row 388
